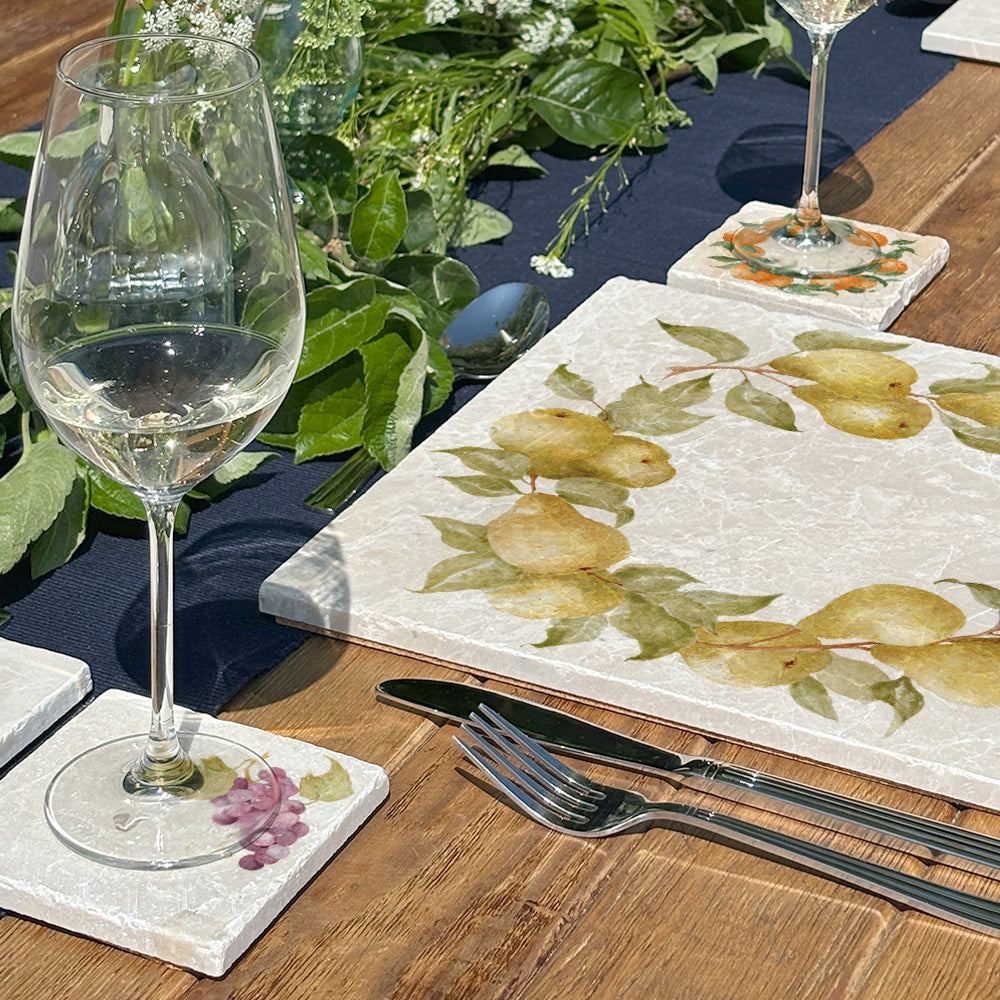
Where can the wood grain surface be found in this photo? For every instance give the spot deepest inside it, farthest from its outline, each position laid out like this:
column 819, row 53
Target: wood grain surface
column 446, row 892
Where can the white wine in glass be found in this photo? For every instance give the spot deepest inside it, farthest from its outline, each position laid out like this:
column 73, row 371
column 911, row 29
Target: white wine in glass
column 158, row 319
column 805, row 244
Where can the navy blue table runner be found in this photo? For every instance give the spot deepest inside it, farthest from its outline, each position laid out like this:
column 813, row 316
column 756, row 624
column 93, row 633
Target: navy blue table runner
column 746, row 143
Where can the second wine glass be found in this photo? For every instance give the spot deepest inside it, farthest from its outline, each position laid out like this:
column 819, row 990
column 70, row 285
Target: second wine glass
column 158, row 317
column 805, row 244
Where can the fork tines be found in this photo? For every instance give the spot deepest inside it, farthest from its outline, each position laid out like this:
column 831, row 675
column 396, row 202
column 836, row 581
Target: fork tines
column 517, row 764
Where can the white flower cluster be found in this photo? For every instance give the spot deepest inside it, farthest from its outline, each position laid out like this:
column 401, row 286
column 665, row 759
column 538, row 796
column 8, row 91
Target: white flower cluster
column 546, row 32
column 229, row 20
column 544, row 24
column 550, row 265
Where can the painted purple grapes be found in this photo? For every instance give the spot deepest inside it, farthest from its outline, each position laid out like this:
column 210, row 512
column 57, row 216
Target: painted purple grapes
column 248, row 803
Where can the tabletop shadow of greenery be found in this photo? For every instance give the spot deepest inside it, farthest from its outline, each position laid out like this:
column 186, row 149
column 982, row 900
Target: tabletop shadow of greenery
column 917, row 8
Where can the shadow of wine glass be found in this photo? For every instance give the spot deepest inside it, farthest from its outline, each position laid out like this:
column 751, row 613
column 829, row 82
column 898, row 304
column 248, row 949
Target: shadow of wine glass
column 221, row 638
column 765, row 164
column 917, row 8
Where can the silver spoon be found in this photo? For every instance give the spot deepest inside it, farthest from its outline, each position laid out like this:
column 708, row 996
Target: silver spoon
column 483, row 340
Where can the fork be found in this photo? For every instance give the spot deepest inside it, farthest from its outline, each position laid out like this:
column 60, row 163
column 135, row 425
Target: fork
column 562, row 799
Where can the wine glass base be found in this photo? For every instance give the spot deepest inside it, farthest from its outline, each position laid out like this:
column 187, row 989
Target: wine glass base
column 833, row 249
column 90, row 809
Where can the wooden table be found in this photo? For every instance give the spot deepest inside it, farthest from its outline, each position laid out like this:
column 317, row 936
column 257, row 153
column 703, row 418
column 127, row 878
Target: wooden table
column 446, row 893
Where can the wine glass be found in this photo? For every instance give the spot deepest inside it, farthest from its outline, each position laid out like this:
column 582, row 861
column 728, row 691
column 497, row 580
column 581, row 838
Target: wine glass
column 158, row 319
column 804, row 244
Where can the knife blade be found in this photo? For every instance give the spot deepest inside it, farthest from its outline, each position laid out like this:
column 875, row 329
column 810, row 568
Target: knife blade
column 928, row 839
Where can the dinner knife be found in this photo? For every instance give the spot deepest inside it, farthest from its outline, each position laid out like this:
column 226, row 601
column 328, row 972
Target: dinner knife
column 560, row 731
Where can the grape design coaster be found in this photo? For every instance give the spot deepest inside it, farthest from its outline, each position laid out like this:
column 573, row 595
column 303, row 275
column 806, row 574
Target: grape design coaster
column 200, row 918
column 873, row 298
column 851, row 580
column 39, row 687
column 968, row 28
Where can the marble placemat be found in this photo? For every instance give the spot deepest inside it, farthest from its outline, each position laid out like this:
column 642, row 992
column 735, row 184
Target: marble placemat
column 39, row 687
column 872, row 298
column 200, row 918
column 775, row 522
column 968, row 28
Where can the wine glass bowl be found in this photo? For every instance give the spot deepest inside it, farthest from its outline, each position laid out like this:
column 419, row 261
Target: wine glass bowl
column 158, row 319
column 804, row 244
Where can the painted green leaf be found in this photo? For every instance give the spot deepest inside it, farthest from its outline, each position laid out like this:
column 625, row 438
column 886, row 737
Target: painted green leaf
column 480, row 223
column 587, row 102
column 218, row 775
column 819, row 340
column 563, row 382
column 31, row 496
column 682, row 606
column 731, row 605
column 331, row 786
column 471, row 571
column 461, row 534
column 483, row 486
column 813, row 696
column 492, row 461
column 566, row 631
column 982, row 592
column 990, row 382
column 379, row 219
column 904, row 698
column 63, row 537
column 657, row 632
column 586, row 492
column 645, row 409
column 854, row 679
column 721, row 345
column 746, row 400
column 691, row 392
column 650, row 579
column 973, row 436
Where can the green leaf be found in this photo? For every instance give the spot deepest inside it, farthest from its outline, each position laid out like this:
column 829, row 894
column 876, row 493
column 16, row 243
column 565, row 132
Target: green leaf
column 32, row 495
column 112, row 498
column 228, row 476
column 973, row 436
column 982, row 592
column 517, row 158
column 56, row 545
column 421, row 226
column 721, row 345
column 379, row 220
column 315, row 264
column 652, row 580
column 813, row 696
column 11, row 215
column 332, row 416
column 339, row 320
column 990, row 382
column 470, row 571
column 746, row 400
column 480, row 223
column 331, row 786
column 492, row 461
column 19, row 148
column 657, row 632
column 820, row 340
column 461, row 535
column 904, row 698
column 441, row 286
column 9, row 367
column 563, row 382
column 731, row 605
column 565, row 631
column 483, row 486
column 324, row 170
column 587, row 102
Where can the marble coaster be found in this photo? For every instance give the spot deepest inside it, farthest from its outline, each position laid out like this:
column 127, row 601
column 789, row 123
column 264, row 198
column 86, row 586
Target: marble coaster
column 200, row 918
column 873, row 299
column 968, row 28
column 38, row 687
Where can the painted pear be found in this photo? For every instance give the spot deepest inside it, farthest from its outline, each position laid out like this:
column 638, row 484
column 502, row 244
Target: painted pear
column 562, row 434
column 777, row 656
column 569, row 595
column 983, row 407
column 886, row 419
column 544, row 534
column 850, row 372
column 625, row 460
column 887, row 613
column 966, row 671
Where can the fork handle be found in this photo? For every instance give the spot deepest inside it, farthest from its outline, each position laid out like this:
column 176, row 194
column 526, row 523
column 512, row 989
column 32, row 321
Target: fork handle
column 954, row 905
column 940, row 841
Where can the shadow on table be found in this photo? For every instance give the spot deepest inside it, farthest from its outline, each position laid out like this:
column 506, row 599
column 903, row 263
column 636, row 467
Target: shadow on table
column 765, row 164
column 917, row 8
column 222, row 640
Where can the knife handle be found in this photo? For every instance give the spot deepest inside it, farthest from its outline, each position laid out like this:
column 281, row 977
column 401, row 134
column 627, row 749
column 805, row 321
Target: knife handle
column 941, row 840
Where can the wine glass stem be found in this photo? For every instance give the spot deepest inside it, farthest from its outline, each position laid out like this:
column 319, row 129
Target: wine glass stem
column 807, row 211
column 164, row 762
